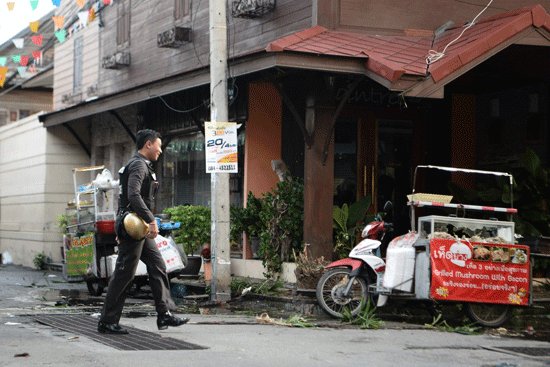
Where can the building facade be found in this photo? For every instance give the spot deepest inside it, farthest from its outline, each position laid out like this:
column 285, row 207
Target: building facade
column 340, row 90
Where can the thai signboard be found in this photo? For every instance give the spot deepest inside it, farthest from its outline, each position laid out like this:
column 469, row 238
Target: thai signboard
column 79, row 255
column 479, row 272
column 221, row 147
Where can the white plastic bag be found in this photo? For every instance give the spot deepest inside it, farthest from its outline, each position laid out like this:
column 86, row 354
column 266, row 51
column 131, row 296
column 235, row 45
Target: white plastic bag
column 404, row 241
column 170, row 253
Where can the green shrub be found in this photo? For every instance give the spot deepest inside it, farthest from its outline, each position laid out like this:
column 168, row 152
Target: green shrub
column 195, row 226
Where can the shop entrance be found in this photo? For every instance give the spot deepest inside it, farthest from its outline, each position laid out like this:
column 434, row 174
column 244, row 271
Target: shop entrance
column 374, row 156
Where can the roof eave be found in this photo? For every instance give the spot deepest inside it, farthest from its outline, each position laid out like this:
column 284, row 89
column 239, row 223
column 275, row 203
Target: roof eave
column 428, row 88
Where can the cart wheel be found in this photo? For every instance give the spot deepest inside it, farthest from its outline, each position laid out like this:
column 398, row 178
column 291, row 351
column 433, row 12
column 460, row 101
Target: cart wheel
column 95, row 286
column 490, row 315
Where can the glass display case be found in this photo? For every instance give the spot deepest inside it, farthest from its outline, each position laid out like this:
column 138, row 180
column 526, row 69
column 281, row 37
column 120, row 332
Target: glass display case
column 474, row 230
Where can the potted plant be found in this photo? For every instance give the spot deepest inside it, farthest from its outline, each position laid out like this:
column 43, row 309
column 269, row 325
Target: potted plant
column 252, row 222
column 193, row 234
column 282, row 220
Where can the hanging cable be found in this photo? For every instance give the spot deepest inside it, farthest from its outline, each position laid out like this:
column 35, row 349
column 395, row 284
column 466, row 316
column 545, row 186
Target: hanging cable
column 434, row 56
column 204, row 103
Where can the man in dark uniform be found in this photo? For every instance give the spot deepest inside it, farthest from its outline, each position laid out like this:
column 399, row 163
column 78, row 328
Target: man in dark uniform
column 138, row 188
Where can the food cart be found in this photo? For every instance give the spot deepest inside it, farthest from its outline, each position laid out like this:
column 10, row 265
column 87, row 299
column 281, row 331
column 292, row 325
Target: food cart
column 90, row 235
column 469, row 260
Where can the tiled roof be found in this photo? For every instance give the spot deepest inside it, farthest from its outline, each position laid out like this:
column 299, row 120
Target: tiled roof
column 391, row 57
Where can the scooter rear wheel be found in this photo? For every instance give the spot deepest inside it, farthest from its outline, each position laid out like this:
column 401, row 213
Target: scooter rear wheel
column 330, row 293
column 490, row 315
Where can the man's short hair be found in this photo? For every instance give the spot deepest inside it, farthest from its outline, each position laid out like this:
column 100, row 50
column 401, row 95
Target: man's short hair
column 145, row 135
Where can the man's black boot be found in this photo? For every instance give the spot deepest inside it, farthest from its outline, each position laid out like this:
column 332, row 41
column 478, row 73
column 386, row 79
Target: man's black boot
column 163, row 321
column 105, row 328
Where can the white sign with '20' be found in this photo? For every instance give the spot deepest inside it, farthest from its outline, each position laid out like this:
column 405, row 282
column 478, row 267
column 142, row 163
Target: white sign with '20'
column 221, row 147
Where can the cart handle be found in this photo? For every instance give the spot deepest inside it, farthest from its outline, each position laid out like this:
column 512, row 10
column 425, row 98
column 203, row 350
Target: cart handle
column 467, row 170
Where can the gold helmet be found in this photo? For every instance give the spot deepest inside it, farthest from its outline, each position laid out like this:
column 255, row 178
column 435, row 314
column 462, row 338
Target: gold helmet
column 136, row 227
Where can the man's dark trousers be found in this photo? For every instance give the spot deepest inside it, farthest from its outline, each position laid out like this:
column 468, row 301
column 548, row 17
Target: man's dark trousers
column 129, row 254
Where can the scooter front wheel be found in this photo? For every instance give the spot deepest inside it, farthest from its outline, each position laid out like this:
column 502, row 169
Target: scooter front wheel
column 331, row 293
column 490, row 315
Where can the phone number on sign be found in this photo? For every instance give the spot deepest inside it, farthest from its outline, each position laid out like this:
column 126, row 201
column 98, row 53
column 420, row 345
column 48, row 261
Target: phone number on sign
column 222, row 167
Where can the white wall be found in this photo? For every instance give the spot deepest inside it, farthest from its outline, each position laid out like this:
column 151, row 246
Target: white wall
column 35, row 185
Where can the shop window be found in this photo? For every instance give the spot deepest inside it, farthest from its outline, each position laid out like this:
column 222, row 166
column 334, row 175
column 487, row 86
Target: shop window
column 14, row 116
column 183, row 174
column 24, row 113
column 3, row 117
column 345, row 162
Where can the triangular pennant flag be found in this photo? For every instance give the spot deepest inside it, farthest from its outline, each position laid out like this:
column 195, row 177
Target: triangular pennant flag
column 24, row 61
column 3, row 72
column 83, row 17
column 80, row 3
column 34, row 4
column 91, row 15
column 56, row 3
column 106, row 2
column 60, row 34
column 37, row 54
column 37, row 40
column 3, row 60
column 11, row 5
column 16, row 58
column 58, row 21
column 34, row 26
column 18, row 42
column 22, row 70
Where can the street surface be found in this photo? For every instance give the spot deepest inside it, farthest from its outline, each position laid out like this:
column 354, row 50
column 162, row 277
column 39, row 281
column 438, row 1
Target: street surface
column 231, row 340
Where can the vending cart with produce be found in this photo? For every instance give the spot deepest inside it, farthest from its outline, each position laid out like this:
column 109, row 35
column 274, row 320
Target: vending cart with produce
column 90, row 231
column 469, row 255
column 454, row 252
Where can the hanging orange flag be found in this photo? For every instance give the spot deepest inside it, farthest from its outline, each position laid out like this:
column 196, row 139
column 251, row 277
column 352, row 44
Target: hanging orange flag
column 3, row 72
column 81, row 3
column 34, row 26
column 58, row 21
column 11, row 5
column 91, row 15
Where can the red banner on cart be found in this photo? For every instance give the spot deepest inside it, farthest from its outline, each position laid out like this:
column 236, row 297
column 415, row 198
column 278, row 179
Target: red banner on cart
column 479, row 272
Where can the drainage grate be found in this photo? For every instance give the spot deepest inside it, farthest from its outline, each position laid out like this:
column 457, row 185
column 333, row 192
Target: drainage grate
column 527, row 351
column 136, row 340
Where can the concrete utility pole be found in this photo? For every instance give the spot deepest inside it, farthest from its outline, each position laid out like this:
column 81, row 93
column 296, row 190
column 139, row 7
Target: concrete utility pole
column 219, row 182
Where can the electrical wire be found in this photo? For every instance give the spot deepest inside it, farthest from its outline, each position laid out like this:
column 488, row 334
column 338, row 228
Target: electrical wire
column 194, row 16
column 204, row 103
column 434, row 56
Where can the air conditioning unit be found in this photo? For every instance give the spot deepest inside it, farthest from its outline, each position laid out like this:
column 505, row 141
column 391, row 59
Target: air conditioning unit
column 91, row 91
column 174, row 37
column 116, row 60
column 71, row 98
column 251, row 8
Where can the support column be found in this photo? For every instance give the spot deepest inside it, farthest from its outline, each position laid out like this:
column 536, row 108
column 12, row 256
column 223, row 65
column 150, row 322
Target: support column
column 318, row 188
